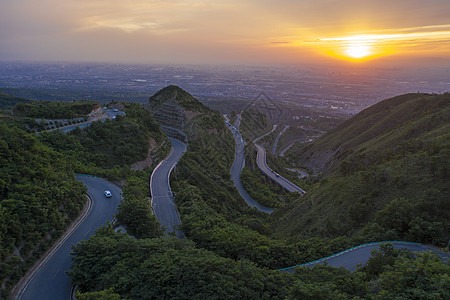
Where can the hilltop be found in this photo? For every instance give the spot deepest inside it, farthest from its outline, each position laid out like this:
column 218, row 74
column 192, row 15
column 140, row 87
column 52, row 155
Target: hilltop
column 381, row 174
column 183, row 99
column 174, row 106
column 181, row 115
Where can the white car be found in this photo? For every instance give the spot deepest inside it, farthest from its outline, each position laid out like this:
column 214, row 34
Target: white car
column 108, row 194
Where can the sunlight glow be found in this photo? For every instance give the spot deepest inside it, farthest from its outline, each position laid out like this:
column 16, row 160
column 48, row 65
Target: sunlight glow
column 363, row 47
column 357, row 51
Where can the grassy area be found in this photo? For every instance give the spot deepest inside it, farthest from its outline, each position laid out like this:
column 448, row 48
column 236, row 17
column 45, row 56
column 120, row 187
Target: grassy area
column 254, row 124
column 391, row 157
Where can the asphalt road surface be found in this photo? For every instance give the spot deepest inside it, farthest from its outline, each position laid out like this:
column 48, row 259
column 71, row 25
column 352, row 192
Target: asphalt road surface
column 237, row 123
column 300, row 172
column 236, row 168
column 277, row 139
column 162, row 198
column 350, row 258
column 262, row 164
column 264, row 135
column 51, row 282
column 303, row 140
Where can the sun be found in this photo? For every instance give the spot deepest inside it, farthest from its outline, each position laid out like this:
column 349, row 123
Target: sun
column 357, row 51
column 355, row 48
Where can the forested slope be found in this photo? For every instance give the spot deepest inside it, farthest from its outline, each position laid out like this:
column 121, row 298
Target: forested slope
column 54, row 109
column 107, row 148
column 9, row 101
column 38, row 191
column 231, row 251
column 254, row 124
column 214, row 215
column 39, row 197
column 376, row 132
column 383, row 174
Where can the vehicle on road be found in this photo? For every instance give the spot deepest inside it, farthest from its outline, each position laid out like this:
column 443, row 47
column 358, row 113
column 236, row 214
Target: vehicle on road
column 108, row 194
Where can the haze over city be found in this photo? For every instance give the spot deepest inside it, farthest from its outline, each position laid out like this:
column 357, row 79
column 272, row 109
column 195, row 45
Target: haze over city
column 180, row 149
column 402, row 32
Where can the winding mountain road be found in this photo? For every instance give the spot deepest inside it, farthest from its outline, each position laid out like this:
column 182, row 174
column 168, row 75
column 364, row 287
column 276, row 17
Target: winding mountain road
column 350, row 258
column 277, row 139
column 300, row 172
column 50, row 281
column 262, row 164
column 266, row 134
column 238, row 165
column 162, row 198
column 283, row 152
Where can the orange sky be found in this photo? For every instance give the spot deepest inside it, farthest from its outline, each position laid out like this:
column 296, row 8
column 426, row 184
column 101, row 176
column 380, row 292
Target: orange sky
column 253, row 32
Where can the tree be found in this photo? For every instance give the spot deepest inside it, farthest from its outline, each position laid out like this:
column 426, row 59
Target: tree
column 101, row 295
column 422, row 277
column 135, row 214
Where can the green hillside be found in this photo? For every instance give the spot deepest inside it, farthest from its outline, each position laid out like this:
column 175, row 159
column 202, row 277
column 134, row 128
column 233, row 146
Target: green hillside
column 39, row 197
column 376, row 130
column 54, row 109
column 383, row 174
column 386, row 180
column 254, row 124
column 230, row 250
column 7, row 102
column 106, row 148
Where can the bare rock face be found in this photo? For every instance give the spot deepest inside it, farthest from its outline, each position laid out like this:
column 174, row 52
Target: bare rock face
column 172, row 106
column 170, row 113
column 174, row 109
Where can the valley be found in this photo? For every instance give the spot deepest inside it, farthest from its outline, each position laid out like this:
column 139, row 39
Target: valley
column 225, row 150
column 363, row 173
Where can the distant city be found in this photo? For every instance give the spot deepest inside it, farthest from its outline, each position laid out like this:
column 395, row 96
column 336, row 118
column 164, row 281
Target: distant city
column 222, row 87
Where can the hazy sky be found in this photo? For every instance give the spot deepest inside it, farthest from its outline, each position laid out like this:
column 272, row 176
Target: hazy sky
column 254, row 31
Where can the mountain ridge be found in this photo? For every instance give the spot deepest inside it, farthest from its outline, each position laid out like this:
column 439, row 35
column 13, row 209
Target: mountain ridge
column 381, row 174
column 380, row 122
column 183, row 98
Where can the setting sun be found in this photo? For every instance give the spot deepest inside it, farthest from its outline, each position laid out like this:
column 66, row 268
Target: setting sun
column 357, row 47
column 357, row 51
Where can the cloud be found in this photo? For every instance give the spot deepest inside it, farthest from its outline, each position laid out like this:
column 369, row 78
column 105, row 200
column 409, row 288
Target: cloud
column 400, row 38
column 210, row 31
